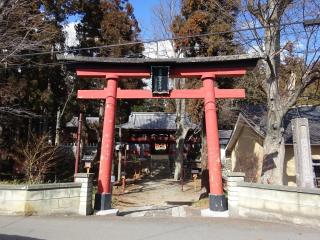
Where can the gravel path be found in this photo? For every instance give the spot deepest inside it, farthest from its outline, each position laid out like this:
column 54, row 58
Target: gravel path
column 155, row 193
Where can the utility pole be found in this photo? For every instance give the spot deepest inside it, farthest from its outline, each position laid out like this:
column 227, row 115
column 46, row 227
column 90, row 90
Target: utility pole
column 120, row 152
column 78, row 149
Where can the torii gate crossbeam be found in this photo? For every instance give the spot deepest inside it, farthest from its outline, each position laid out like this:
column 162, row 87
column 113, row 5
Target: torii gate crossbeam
column 207, row 69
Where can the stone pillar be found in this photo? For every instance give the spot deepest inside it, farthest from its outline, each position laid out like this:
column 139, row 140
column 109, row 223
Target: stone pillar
column 86, row 180
column 302, row 153
column 233, row 191
column 217, row 200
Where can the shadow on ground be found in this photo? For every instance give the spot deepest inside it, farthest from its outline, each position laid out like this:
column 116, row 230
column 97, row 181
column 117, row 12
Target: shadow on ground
column 145, row 185
column 16, row 237
column 124, row 213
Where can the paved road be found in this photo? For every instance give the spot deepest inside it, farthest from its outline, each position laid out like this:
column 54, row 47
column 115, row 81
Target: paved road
column 116, row 228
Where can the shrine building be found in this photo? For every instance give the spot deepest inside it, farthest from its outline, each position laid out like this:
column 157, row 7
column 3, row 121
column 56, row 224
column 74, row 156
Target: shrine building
column 150, row 139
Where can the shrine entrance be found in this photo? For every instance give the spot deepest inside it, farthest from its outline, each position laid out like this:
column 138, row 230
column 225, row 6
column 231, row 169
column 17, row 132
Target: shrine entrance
column 207, row 69
column 148, row 149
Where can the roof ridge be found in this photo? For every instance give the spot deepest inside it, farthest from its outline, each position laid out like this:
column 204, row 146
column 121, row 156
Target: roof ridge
column 153, row 113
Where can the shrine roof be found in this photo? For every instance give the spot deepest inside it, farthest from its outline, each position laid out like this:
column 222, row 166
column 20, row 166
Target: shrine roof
column 163, row 121
column 154, row 121
column 255, row 116
column 243, row 60
column 258, row 116
column 224, row 136
column 74, row 121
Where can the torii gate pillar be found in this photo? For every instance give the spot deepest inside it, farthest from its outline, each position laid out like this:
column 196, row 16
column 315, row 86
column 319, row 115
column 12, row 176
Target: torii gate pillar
column 217, row 200
column 103, row 197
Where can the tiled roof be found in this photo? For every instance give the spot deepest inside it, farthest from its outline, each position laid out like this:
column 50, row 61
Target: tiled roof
column 249, row 60
column 154, row 121
column 224, row 136
column 256, row 115
column 89, row 120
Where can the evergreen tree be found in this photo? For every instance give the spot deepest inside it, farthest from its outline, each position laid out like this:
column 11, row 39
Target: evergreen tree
column 110, row 22
column 32, row 83
column 107, row 23
column 202, row 17
column 36, row 77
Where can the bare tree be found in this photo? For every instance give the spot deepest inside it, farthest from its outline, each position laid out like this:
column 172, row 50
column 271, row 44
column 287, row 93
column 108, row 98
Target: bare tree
column 60, row 112
column 38, row 158
column 22, row 27
column 277, row 30
column 165, row 13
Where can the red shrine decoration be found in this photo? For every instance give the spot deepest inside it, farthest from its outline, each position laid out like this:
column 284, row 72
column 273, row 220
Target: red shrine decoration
column 208, row 69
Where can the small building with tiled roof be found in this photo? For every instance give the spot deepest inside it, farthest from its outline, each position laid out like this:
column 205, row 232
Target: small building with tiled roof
column 160, row 121
column 74, row 121
column 245, row 147
column 159, row 127
column 154, row 121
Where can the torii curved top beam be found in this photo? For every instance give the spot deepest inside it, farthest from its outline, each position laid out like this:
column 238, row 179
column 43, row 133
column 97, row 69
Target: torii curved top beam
column 220, row 66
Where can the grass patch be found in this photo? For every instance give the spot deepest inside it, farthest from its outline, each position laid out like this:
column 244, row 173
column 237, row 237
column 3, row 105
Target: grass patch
column 202, row 203
column 12, row 182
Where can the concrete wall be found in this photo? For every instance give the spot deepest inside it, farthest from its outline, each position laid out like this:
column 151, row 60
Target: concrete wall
column 268, row 202
column 40, row 199
column 47, row 199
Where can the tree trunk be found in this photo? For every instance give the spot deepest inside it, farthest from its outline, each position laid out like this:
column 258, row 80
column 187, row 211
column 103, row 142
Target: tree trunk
column 272, row 169
column 57, row 138
column 204, row 149
column 179, row 153
column 182, row 130
column 205, row 188
column 273, row 146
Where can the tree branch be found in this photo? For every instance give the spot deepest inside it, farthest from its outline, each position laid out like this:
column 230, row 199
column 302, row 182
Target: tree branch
column 257, row 11
column 308, row 78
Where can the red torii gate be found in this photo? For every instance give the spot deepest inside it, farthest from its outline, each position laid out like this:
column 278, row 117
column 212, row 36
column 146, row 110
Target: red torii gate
column 208, row 69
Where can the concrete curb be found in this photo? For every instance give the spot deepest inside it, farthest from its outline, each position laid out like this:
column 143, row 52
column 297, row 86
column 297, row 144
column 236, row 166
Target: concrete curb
column 208, row 213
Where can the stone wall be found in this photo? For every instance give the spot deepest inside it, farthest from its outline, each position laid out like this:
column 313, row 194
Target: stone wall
column 47, row 199
column 268, row 202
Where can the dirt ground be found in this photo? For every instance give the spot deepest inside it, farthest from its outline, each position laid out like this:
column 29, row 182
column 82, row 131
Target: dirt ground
column 157, row 192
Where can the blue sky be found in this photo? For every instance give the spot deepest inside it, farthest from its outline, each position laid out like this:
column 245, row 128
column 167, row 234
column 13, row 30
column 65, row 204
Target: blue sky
column 143, row 13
